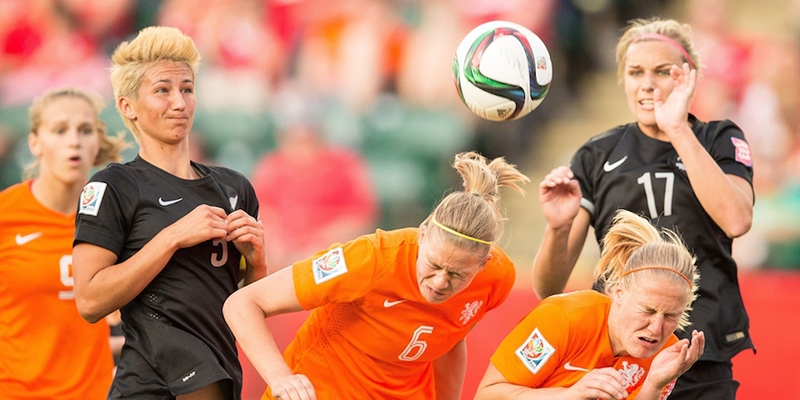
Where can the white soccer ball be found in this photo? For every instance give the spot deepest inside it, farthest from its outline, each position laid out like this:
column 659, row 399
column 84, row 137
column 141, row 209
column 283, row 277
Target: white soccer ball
column 502, row 71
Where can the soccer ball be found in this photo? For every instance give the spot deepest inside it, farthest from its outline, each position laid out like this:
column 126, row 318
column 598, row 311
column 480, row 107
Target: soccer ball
column 502, row 71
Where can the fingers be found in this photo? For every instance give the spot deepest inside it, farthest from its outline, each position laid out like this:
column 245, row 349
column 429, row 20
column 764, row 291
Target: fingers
column 603, row 383
column 295, row 387
column 558, row 176
column 242, row 226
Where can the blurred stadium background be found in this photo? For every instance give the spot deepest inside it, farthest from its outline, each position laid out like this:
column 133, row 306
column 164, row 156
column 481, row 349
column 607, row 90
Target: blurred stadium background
column 380, row 72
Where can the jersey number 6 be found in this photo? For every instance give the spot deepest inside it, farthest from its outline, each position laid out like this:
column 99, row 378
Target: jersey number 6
column 416, row 345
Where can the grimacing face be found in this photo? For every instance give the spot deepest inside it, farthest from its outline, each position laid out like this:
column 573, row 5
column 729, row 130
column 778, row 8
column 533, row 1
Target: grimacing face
column 646, row 314
column 444, row 269
column 647, row 66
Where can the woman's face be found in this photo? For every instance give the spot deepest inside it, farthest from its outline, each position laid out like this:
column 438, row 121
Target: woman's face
column 646, row 315
column 67, row 140
column 444, row 269
column 164, row 107
column 647, row 67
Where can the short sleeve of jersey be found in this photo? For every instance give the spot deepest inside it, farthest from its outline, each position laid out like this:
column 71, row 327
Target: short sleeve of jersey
column 527, row 356
column 340, row 274
column 730, row 149
column 581, row 165
column 104, row 210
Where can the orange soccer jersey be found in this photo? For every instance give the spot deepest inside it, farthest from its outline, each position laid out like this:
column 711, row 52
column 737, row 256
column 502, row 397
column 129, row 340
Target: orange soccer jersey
column 561, row 339
column 372, row 334
column 47, row 350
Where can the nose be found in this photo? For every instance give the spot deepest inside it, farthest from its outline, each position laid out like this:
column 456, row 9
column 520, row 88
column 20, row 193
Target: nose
column 441, row 280
column 177, row 101
column 648, row 81
column 73, row 137
column 656, row 325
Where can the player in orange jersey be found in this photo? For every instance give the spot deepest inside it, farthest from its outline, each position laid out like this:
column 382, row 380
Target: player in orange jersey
column 587, row 345
column 391, row 310
column 47, row 351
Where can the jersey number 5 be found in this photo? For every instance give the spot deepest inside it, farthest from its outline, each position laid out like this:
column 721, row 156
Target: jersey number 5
column 416, row 346
column 219, row 259
column 669, row 179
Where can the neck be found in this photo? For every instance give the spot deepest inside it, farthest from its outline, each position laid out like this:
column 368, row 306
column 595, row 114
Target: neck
column 173, row 159
column 56, row 195
column 613, row 339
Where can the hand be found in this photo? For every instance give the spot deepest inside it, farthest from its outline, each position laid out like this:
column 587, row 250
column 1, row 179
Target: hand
column 293, row 387
column 603, row 383
column 560, row 197
column 203, row 223
column 672, row 113
column 247, row 234
column 673, row 361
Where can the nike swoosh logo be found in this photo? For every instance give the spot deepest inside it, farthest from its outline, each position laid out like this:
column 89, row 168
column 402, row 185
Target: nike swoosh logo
column 27, row 238
column 610, row 167
column 387, row 303
column 168, row 202
column 569, row 367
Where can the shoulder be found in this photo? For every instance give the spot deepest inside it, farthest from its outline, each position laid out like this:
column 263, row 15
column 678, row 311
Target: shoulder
column 500, row 266
column 712, row 131
column 609, row 137
column 221, row 172
column 598, row 147
column 580, row 304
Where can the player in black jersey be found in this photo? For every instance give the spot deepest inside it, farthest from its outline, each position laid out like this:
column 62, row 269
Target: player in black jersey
column 685, row 175
column 162, row 237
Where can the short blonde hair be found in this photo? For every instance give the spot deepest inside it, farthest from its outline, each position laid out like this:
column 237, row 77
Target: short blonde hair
column 110, row 147
column 633, row 243
column 681, row 33
column 475, row 212
column 153, row 44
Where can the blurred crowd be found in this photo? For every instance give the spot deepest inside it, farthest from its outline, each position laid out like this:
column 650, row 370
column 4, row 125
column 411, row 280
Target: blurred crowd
column 378, row 74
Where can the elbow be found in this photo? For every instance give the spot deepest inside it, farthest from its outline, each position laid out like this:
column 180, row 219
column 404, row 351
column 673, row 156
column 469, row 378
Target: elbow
column 90, row 311
column 739, row 226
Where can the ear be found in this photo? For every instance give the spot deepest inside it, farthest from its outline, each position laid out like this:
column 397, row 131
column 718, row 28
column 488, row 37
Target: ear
column 617, row 293
column 486, row 260
column 126, row 108
column 34, row 145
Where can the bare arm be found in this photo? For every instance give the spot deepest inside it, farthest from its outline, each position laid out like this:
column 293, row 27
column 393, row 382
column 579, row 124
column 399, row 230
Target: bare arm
column 102, row 285
column 245, row 312
column 603, row 383
column 728, row 199
column 565, row 233
column 449, row 371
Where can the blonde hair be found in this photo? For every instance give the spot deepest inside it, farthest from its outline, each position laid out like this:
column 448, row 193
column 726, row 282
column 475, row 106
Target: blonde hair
column 635, row 251
column 131, row 60
column 110, row 147
column 681, row 33
column 475, row 212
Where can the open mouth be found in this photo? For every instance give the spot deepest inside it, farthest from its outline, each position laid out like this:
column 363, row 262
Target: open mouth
column 646, row 340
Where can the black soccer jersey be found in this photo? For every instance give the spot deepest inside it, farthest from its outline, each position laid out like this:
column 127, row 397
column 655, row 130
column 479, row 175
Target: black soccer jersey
column 625, row 169
column 176, row 340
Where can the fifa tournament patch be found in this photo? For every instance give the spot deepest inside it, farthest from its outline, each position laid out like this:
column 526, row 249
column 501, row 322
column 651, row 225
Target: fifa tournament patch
column 91, row 197
column 742, row 151
column 329, row 265
column 535, row 351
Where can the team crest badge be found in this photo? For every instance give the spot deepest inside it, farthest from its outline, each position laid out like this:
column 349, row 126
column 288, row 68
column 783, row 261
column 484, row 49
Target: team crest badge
column 91, row 197
column 329, row 265
column 742, row 151
column 535, row 351
column 631, row 374
column 469, row 311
